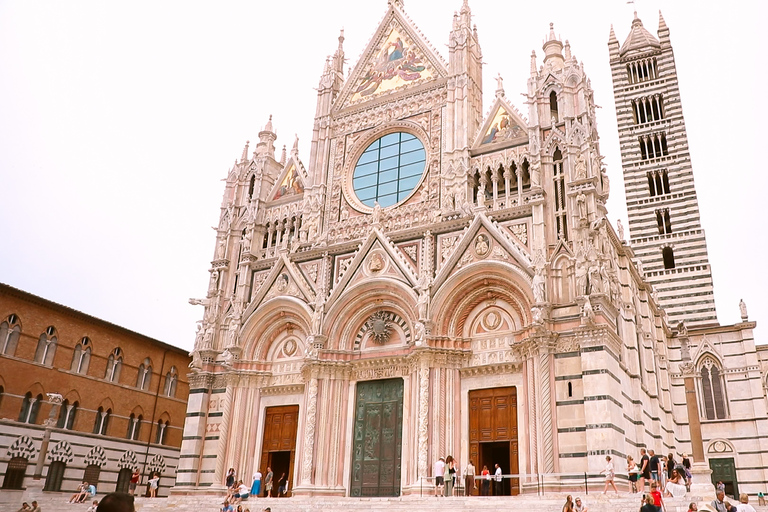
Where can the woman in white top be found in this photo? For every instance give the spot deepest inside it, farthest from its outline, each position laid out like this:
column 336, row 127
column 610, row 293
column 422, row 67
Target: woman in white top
column 675, row 486
column 609, row 474
column 744, row 506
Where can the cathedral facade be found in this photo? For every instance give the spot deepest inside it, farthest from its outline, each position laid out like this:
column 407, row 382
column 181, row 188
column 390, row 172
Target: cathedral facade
column 439, row 280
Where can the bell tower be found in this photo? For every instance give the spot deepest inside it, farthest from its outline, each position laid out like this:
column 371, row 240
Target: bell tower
column 664, row 225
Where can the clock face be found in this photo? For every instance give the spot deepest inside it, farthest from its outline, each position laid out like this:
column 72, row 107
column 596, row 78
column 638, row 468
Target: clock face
column 389, row 169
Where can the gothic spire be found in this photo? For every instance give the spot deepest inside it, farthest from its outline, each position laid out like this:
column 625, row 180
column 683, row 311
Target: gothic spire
column 244, row 158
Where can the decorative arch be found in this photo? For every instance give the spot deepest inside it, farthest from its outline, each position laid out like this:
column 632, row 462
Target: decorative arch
column 356, row 305
column 269, row 321
column 61, row 452
column 128, row 460
column 106, row 403
column 720, row 446
column 96, row 457
column 467, row 288
column 562, row 283
column 10, row 330
column 157, row 464
column 22, row 447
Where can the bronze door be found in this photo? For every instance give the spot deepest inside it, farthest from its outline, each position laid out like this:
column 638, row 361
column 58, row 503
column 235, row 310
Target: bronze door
column 278, row 449
column 378, row 438
column 493, row 433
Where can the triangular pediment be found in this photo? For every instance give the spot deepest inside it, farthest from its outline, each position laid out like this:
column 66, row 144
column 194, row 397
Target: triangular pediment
column 484, row 240
column 285, row 279
column 504, row 126
column 376, row 257
column 290, row 182
column 397, row 57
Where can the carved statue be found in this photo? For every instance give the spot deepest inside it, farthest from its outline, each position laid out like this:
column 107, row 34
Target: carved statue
column 317, row 315
column 581, row 203
column 535, row 173
column 220, row 250
column 376, row 214
column 539, row 285
column 588, row 313
column 743, row 310
column 620, row 229
column 196, row 363
column 213, row 285
column 481, row 194
column 580, row 167
column 682, row 330
column 199, row 336
column 536, row 315
column 419, row 332
column 581, row 277
column 247, row 240
column 606, row 181
column 227, row 357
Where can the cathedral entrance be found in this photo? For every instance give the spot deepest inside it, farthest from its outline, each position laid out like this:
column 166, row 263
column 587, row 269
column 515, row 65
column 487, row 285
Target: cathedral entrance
column 279, row 447
column 493, row 433
column 378, row 436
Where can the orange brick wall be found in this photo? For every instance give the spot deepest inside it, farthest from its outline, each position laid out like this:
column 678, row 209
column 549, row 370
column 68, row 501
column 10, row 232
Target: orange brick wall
column 21, row 374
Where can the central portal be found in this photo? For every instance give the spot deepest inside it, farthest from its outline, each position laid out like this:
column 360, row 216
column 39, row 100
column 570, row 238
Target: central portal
column 378, row 438
column 493, row 434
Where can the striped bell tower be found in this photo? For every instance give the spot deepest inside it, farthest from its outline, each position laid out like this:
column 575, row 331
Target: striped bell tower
column 664, row 225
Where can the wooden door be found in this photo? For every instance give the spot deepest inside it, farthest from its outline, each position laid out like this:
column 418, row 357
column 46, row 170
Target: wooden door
column 378, row 438
column 493, row 419
column 280, row 424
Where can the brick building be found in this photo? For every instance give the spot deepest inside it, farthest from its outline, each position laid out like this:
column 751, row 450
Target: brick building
column 109, row 399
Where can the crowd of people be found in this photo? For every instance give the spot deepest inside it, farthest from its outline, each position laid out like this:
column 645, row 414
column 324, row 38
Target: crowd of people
column 261, row 485
column 451, row 481
column 671, row 477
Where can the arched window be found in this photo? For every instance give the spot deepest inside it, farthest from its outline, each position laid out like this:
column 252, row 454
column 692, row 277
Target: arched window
column 55, row 476
column 67, row 415
column 144, row 377
column 14, row 473
column 561, row 222
column 712, row 390
column 170, row 382
column 162, row 431
column 10, row 329
column 114, row 365
column 101, row 422
column 553, row 107
column 46, row 347
column 29, row 408
column 82, row 356
column 123, row 480
column 669, row 257
column 570, row 389
column 251, row 186
column 134, row 425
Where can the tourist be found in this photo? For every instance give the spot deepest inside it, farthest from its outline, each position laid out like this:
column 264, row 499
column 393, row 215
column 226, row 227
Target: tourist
column 675, row 487
column 720, row 486
column 93, row 506
column 609, row 472
column 580, row 506
column 485, row 486
column 744, row 505
column 282, row 485
column 645, row 471
column 154, row 482
column 116, row 502
column 646, row 504
column 761, row 499
column 256, row 486
column 241, row 492
column 80, row 494
column 135, row 476
column 35, row 507
column 497, row 482
column 268, row 482
column 654, row 466
column 687, row 471
column 239, row 508
column 671, row 464
column 230, row 481
column 24, row 507
column 227, row 507
column 437, row 471
column 632, row 472
column 568, row 507
column 469, row 479
column 448, row 475
column 693, row 507
column 658, row 501
column 718, row 504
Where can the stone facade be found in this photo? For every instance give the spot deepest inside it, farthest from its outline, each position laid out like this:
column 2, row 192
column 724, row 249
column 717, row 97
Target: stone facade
column 83, row 393
column 494, row 268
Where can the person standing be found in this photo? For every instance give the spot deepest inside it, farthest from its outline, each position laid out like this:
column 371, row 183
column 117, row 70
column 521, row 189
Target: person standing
column 658, row 501
column 744, row 505
column 647, row 504
column 268, row 482
column 645, row 471
column 718, row 504
column 632, row 473
column 448, row 475
column 438, row 471
column 282, row 485
column 654, row 465
column 609, row 472
column 485, row 486
column 469, row 479
column 497, row 482
column 256, row 485
column 134, row 481
column 154, row 482
column 230, row 481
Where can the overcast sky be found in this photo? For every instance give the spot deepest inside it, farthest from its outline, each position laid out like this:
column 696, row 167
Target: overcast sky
column 118, row 121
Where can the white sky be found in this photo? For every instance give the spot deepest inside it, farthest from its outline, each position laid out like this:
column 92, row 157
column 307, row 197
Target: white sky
column 118, row 121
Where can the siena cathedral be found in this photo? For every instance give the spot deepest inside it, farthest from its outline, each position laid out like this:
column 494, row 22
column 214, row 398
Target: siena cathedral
column 441, row 279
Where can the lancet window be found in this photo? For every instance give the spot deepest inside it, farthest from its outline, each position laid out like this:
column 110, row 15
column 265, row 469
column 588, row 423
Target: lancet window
column 114, row 365
column 658, row 182
column 46, row 347
column 642, row 70
column 9, row 335
column 648, row 109
column 561, row 213
column 712, row 390
column 279, row 233
column 82, row 356
column 668, row 256
column 502, row 186
column 663, row 221
column 653, row 146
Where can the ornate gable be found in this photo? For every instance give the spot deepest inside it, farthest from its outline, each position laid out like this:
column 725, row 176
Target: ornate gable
column 291, row 180
column 285, row 279
column 398, row 57
column 503, row 127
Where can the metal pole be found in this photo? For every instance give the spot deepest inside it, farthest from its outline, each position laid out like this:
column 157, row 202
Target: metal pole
column 586, row 484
